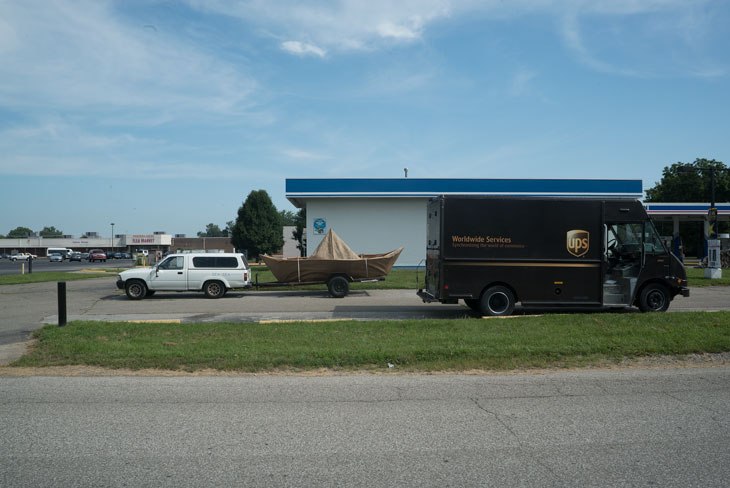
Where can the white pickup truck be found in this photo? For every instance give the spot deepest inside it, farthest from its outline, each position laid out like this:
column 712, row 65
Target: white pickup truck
column 212, row 273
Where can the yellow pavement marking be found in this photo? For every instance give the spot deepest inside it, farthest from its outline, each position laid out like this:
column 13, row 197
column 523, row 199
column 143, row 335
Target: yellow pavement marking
column 509, row 316
column 155, row 321
column 300, row 320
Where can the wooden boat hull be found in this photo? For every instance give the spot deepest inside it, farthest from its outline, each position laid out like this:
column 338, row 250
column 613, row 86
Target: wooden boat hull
column 367, row 266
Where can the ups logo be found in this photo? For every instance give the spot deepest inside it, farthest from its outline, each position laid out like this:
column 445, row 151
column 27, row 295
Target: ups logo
column 578, row 242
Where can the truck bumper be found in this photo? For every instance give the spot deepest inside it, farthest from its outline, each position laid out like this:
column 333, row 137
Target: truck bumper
column 120, row 284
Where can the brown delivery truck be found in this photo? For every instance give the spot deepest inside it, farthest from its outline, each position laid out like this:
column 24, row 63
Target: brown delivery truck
column 493, row 252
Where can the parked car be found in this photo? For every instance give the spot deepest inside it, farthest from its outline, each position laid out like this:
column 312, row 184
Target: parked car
column 126, row 255
column 55, row 258
column 4, row 256
column 75, row 256
column 85, row 255
column 97, row 255
column 23, row 256
column 117, row 255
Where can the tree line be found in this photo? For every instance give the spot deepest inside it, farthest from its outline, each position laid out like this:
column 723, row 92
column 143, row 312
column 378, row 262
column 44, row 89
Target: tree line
column 258, row 227
column 23, row 232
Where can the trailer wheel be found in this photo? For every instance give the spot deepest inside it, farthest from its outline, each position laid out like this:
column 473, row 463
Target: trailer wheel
column 214, row 289
column 497, row 301
column 338, row 287
column 135, row 289
column 654, row 298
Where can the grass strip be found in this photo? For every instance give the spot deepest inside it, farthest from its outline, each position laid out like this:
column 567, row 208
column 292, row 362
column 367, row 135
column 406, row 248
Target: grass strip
column 553, row 340
column 696, row 278
column 45, row 276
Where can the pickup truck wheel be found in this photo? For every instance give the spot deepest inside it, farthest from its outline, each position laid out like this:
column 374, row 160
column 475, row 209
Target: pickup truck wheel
column 338, row 287
column 135, row 289
column 214, row 289
column 654, row 298
column 497, row 301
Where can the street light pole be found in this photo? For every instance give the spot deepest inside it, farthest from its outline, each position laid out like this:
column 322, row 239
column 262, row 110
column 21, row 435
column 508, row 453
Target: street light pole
column 112, row 243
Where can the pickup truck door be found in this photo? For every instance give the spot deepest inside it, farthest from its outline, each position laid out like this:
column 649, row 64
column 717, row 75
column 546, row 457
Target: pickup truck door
column 170, row 274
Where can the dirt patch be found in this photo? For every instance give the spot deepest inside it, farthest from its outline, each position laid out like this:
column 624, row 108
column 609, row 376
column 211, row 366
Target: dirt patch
column 654, row 362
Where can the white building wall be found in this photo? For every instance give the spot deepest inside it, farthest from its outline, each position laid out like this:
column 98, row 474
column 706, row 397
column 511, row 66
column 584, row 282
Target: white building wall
column 290, row 244
column 372, row 225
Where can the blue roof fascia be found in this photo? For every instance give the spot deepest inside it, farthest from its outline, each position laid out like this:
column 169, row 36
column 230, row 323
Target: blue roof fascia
column 426, row 187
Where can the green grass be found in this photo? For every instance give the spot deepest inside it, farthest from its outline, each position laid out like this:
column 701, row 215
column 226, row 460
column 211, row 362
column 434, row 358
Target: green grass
column 412, row 345
column 396, row 279
column 696, row 278
column 45, row 276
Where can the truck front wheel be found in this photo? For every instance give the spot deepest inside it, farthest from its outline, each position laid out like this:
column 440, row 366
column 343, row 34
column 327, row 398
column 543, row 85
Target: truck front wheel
column 135, row 289
column 214, row 289
column 497, row 301
column 654, row 298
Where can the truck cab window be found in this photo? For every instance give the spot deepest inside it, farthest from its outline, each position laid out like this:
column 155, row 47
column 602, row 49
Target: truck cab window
column 624, row 241
column 173, row 262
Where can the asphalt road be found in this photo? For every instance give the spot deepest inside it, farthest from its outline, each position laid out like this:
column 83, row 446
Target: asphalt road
column 24, row 308
column 571, row 429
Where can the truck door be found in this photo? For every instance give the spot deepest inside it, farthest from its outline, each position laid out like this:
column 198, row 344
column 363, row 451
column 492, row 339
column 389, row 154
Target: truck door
column 624, row 256
column 169, row 274
column 655, row 258
column 433, row 247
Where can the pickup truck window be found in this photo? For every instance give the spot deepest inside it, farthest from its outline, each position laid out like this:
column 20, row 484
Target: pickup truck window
column 215, row 262
column 174, row 262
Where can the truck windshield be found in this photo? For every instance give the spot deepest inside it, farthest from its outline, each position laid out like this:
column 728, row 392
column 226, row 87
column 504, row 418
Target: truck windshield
column 652, row 242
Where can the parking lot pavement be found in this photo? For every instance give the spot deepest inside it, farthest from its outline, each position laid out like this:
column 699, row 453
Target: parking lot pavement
column 27, row 307
column 261, row 306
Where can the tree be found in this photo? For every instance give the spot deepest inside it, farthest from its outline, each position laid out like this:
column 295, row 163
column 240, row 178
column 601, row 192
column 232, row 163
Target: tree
column 258, row 227
column 298, row 233
column 679, row 185
column 50, row 232
column 288, row 217
column 19, row 232
column 212, row 230
column 691, row 183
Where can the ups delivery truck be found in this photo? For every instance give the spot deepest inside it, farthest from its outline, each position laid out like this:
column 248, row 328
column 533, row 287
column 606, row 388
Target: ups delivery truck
column 493, row 252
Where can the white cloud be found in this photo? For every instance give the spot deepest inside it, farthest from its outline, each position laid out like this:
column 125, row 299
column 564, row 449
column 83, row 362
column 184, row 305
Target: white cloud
column 521, row 81
column 343, row 25
column 338, row 26
column 299, row 154
column 82, row 55
column 302, row 48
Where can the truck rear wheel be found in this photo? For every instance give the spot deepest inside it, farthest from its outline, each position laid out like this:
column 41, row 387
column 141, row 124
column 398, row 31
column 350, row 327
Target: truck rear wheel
column 654, row 298
column 135, row 289
column 214, row 289
column 497, row 301
column 338, row 287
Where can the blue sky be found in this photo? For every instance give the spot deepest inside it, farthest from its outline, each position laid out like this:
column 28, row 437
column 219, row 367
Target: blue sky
column 163, row 116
